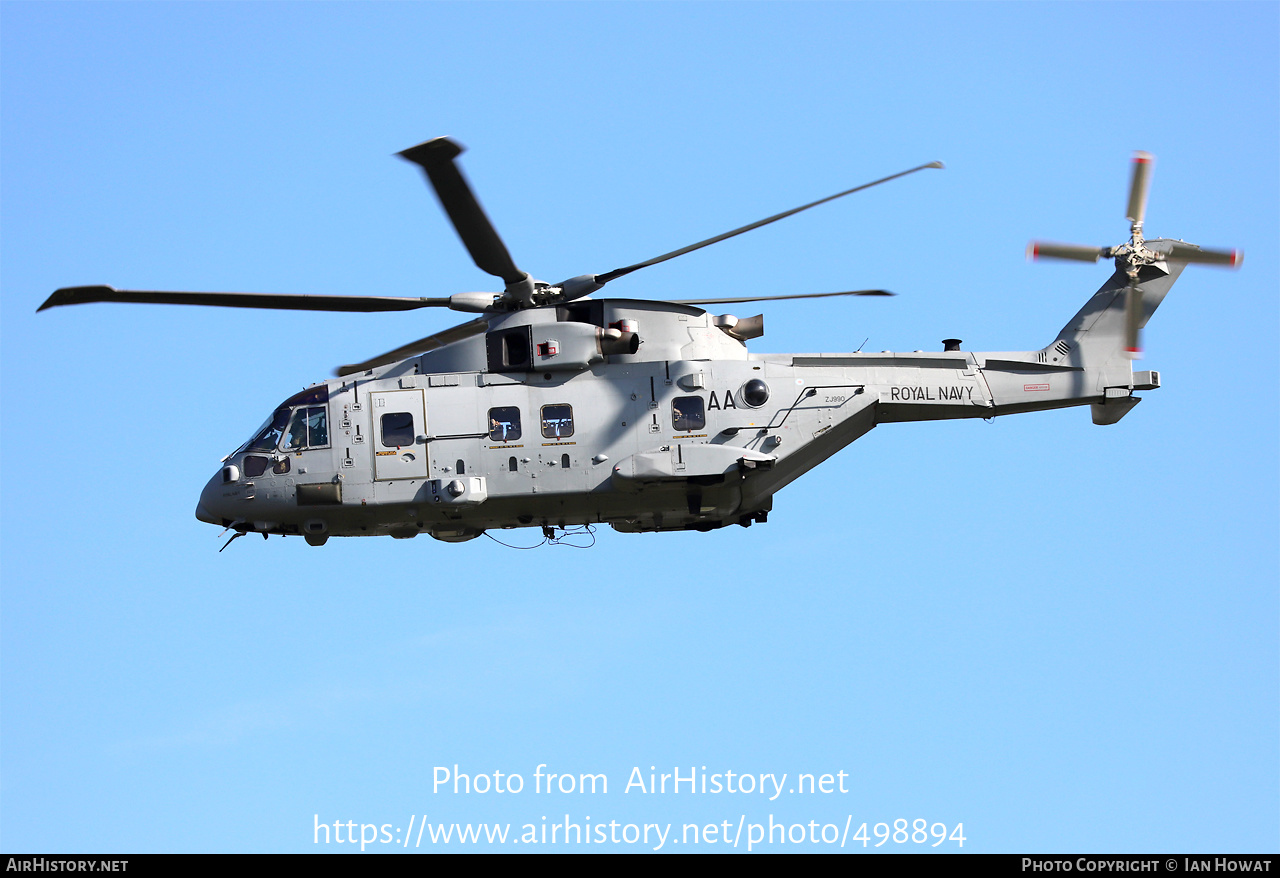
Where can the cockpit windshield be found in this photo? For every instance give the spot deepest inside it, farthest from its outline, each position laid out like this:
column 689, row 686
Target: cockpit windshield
column 306, row 417
column 268, row 435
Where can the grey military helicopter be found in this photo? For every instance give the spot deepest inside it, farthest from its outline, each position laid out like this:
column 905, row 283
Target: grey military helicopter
column 555, row 410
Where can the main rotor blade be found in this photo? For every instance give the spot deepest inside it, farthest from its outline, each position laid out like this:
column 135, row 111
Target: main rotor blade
column 619, row 272
column 1078, row 252
column 1228, row 258
column 281, row 301
column 435, row 157
column 777, row 298
column 421, row 346
column 1138, row 186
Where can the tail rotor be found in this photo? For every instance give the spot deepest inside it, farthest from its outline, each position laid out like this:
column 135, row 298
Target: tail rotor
column 1132, row 256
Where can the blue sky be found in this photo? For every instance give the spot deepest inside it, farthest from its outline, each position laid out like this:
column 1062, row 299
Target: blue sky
column 1065, row 637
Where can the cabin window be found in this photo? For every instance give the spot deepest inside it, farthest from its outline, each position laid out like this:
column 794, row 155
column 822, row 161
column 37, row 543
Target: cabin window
column 309, row 428
column 512, row 465
column 254, row 466
column 461, row 467
column 557, row 421
column 564, row 461
column 281, row 466
column 504, row 424
column 397, row 429
column 688, row 413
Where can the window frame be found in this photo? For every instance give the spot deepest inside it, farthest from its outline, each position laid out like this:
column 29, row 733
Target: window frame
column 496, row 425
column 679, row 416
column 542, row 417
column 382, row 430
column 304, row 411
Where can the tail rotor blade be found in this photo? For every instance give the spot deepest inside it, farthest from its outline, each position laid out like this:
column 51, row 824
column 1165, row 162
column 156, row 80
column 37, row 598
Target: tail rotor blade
column 1132, row 322
column 1138, row 186
column 1225, row 258
column 1077, row 252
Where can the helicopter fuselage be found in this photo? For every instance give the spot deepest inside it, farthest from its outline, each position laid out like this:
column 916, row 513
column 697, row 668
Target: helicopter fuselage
column 547, row 419
column 555, row 410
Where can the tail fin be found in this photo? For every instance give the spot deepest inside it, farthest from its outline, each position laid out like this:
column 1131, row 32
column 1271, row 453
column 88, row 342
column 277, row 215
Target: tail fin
column 1096, row 335
column 1145, row 270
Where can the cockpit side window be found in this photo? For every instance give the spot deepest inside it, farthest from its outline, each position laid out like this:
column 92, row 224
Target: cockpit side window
column 268, row 437
column 309, row 428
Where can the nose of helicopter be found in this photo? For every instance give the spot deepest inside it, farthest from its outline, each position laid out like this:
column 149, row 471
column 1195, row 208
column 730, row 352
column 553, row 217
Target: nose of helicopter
column 208, row 503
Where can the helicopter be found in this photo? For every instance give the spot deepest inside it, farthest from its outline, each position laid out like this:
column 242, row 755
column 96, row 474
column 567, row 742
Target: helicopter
column 553, row 409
